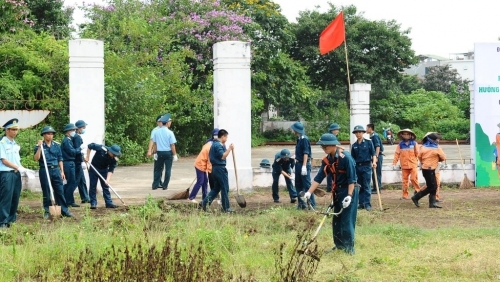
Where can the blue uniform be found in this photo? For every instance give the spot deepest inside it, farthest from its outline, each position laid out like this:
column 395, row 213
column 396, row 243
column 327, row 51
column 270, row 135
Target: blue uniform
column 10, row 181
column 220, row 177
column 343, row 173
column 81, row 183
column 69, row 153
column 164, row 138
column 362, row 153
column 377, row 142
column 53, row 155
column 303, row 182
column 103, row 163
column 278, row 166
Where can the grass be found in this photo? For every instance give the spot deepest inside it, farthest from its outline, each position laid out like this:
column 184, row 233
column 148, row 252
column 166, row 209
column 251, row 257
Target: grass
column 258, row 245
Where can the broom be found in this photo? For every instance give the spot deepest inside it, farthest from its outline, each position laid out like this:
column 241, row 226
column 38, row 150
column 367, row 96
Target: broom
column 183, row 195
column 466, row 183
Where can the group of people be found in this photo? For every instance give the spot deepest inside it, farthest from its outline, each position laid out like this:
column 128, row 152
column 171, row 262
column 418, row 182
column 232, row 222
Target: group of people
column 349, row 173
column 62, row 168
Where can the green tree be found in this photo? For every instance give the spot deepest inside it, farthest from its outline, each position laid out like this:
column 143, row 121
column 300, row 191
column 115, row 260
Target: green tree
column 14, row 15
column 442, row 78
column 51, row 16
column 378, row 51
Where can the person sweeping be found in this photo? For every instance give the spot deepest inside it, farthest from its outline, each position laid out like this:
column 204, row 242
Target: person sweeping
column 340, row 165
column 430, row 155
column 407, row 155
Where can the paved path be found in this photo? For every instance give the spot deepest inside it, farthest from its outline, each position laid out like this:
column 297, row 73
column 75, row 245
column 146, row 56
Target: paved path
column 135, row 181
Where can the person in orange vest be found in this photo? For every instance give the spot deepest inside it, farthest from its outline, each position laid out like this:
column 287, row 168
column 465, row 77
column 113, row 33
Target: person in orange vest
column 407, row 155
column 430, row 154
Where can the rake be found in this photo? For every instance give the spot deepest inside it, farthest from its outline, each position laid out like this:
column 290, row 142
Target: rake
column 466, row 183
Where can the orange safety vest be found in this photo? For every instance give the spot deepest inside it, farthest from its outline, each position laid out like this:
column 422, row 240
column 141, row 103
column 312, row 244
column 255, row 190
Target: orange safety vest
column 333, row 169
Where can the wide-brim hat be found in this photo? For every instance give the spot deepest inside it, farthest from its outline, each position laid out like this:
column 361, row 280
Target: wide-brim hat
column 47, row 129
column 432, row 136
column 80, row 123
column 298, row 127
column 358, row 128
column 13, row 123
column 165, row 118
column 328, row 139
column 69, row 127
column 285, row 153
column 407, row 130
column 333, row 126
column 265, row 163
column 158, row 118
column 115, row 150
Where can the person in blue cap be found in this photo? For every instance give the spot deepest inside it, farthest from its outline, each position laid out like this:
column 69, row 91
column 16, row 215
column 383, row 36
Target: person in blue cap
column 363, row 153
column 303, row 163
column 340, row 165
column 334, row 129
column 104, row 161
column 152, row 147
column 282, row 165
column 218, row 155
column 69, row 153
column 379, row 152
column 10, row 174
column 165, row 141
column 54, row 160
column 80, row 165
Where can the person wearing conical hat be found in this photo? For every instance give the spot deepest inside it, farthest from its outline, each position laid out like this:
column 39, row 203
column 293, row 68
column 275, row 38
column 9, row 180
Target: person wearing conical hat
column 430, row 154
column 407, row 155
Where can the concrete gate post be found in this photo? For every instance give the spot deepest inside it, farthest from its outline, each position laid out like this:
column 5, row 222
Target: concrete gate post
column 360, row 107
column 232, row 106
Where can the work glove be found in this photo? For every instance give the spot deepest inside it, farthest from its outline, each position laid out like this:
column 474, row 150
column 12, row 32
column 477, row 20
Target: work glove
column 21, row 169
column 292, row 176
column 346, row 202
column 175, row 158
column 394, row 167
column 155, row 156
column 307, row 196
column 84, row 166
column 303, row 171
column 30, row 173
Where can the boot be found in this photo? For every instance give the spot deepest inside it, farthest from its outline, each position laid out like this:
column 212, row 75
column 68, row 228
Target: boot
column 432, row 202
column 417, row 197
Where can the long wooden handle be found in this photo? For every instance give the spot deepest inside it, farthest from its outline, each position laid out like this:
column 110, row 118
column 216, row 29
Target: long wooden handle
column 378, row 189
column 460, row 154
column 236, row 174
column 48, row 178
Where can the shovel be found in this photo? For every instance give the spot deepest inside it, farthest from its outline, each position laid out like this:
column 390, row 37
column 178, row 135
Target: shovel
column 239, row 198
column 109, row 186
column 378, row 189
column 54, row 210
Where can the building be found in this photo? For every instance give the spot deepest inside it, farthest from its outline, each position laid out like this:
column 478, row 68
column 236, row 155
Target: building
column 462, row 62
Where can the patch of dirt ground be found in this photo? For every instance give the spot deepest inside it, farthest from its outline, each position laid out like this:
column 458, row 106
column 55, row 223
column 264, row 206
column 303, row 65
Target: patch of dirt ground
column 471, row 207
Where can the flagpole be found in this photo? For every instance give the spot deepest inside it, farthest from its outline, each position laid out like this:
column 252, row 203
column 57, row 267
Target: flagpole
column 347, row 64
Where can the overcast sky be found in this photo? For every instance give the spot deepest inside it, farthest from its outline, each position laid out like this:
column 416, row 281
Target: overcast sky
column 438, row 27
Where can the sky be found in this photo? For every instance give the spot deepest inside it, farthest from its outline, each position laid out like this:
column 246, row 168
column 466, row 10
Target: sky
column 438, row 27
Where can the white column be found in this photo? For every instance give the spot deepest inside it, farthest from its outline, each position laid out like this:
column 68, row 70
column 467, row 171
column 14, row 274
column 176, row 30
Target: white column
column 232, row 106
column 360, row 107
column 472, row 125
column 86, row 87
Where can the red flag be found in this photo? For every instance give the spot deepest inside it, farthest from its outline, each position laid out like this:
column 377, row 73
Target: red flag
column 333, row 35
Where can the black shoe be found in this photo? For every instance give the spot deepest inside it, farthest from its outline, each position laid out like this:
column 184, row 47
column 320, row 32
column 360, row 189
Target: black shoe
column 415, row 200
column 112, row 206
column 277, row 201
column 93, row 207
column 228, row 211
column 432, row 202
column 369, row 208
column 360, row 207
column 66, row 214
column 293, row 200
column 156, row 188
column 86, row 202
column 165, row 188
column 46, row 215
column 374, row 191
column 73, row 205
column 4, row 225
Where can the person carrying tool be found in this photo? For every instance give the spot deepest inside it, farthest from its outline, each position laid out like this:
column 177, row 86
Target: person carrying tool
column 104, row 161
column 282, row 165
column 152, row 148
column 80, row 165
column 202, row 166
column 165, row 141
column 69, row 153
column 363, row 153
column 10, row 174
column 302, row 163
column 379, row 152
column 54, row 160
column 340, row 165
column 334, row 129
column 430, row 155
column 407, row 155
column 218, row 154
